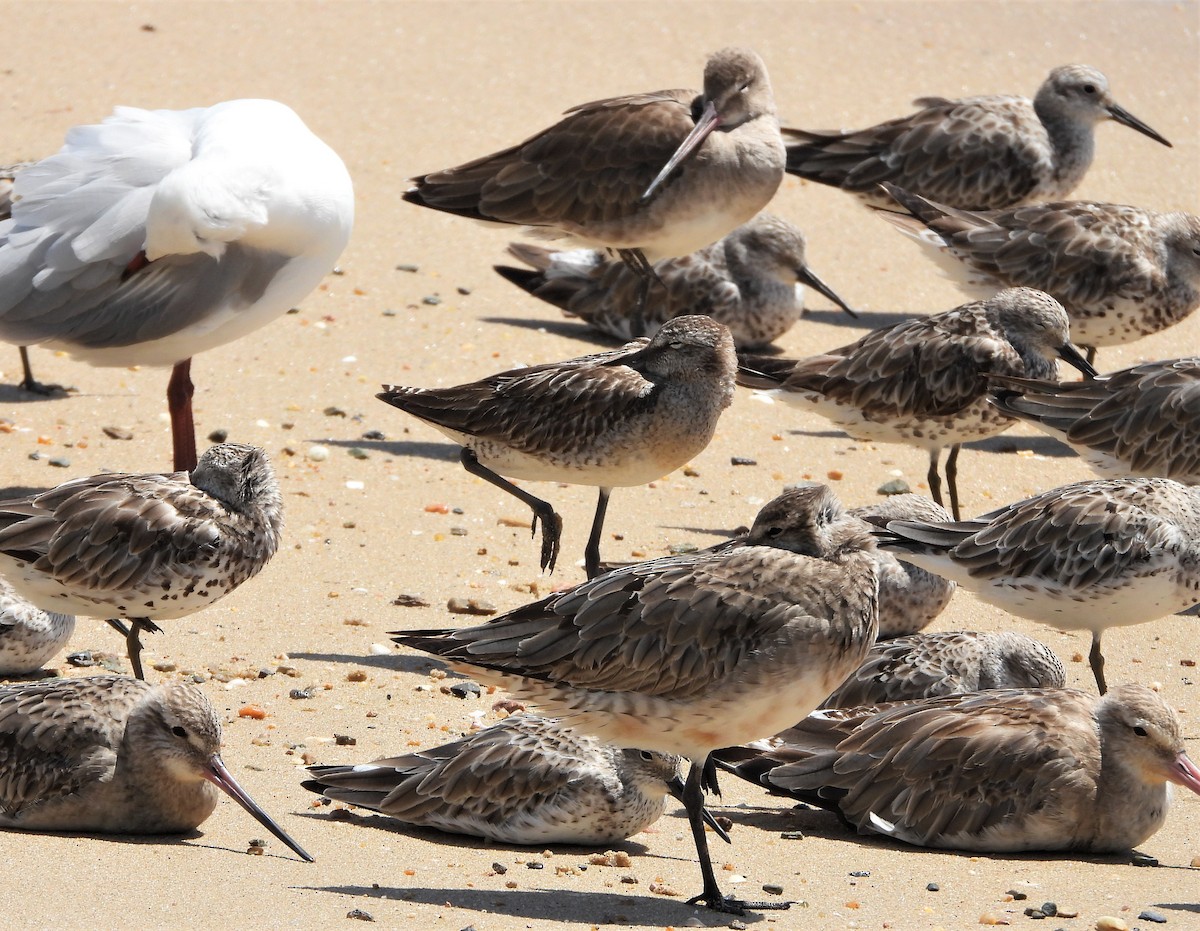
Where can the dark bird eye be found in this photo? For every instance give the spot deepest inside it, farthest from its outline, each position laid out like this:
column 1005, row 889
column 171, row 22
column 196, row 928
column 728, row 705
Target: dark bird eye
column 178, row 731
column 1141, row 731
column 646, row 755
column 774, row 532
column 1089, row 88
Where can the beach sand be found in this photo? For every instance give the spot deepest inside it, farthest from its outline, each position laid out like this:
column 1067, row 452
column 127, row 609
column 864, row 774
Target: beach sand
column 402, row 88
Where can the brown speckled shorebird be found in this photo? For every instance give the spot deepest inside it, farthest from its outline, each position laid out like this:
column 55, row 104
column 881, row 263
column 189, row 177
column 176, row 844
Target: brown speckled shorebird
column 158, row 234
column 1142, row 421
column 651, row 176
column 927, row 665
column 29, row 636
column 1120, row 272
column 686, row 654
column 114, row 755
column 751, row 281
column 145, row 547
column 977, row 153
column 996, row 772
column 909, row 597
column 919, row 382
column 613, row 419
column 526, row 780
column 1085, row 556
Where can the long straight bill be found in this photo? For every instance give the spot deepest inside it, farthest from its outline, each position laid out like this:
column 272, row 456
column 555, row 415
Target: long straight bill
column 709, row 120
column 220, row 776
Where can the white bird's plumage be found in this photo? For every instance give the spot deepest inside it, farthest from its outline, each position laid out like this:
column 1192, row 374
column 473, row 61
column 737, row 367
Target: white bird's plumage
column 158, row 234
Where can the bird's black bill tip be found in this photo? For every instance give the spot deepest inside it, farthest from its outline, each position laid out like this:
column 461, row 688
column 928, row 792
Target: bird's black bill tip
column 1073, row 357
column 1125, row 118
column 218, row 774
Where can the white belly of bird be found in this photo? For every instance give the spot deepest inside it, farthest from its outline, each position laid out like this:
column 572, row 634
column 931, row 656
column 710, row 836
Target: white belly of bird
column 1113, row 603
column 165, row 597
column 691, row 728
column 977, row 421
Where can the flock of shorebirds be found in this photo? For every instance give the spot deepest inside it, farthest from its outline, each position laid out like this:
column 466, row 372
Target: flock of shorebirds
column 157, row 234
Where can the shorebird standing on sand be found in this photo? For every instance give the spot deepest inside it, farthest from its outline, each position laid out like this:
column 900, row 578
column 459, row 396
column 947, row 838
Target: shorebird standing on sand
column 651, row 176
column 978, row 153
column 920, row 382
column 114, row 755
column 1005, row 771
column 146, row 547
column 526, row 780
column 687, row 654
column 1120, row 272
column 1142, row 421
column 612, row 419
column 158, row 234
column 751, row 281
column 1085, row 556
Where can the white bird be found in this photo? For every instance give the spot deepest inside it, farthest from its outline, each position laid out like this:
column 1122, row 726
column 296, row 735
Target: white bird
column 158, row 234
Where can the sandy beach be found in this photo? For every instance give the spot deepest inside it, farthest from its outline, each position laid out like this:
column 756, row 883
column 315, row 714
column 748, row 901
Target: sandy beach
column 402, row 88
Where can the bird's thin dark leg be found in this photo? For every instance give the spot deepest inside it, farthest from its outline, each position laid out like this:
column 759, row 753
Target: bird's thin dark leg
column 551, row 522
column 28, row 382
column 1090, row 354
column 952, row 479
column 708, row 777
column 693, row 802
column 934, row 480
column 1096, row 658
column 591, row 555
column 179, row 404
column 636, row 260
column 133, row 639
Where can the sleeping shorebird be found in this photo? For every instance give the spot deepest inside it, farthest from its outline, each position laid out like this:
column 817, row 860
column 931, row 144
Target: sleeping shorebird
column 995, row 772
column 526, row 780
column 650, row 176
column 613, row 419
column 977, row 153
column 158, row 234
column 1120, row 272
column 1142, row 421
column 921, row 382
column 751, row 281
column 114, row 755
column 909, row 597
column 927, row 665
column 146, row 547
column 29, row 636
column 1086, row 556
column 687, row 654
